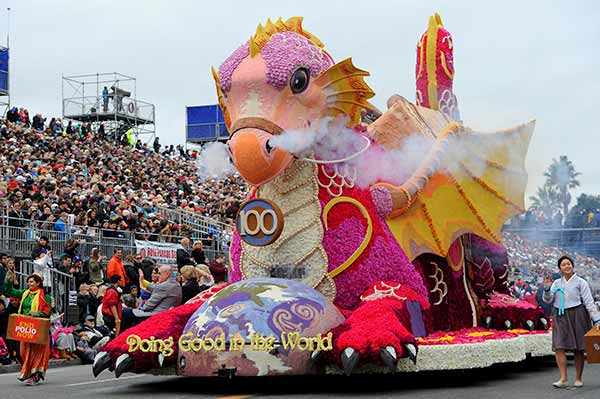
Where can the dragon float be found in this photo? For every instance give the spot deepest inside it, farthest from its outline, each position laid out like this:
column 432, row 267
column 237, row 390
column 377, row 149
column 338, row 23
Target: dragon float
column 406, row 275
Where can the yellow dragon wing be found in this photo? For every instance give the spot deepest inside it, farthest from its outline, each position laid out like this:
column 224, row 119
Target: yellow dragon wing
column 468, row 182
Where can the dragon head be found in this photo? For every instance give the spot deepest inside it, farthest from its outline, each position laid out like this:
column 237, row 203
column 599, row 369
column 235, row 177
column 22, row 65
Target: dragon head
column 282, row 79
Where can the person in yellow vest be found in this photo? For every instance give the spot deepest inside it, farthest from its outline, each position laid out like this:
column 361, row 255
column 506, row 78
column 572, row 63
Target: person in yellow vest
column 34, row 302
column 130, row 139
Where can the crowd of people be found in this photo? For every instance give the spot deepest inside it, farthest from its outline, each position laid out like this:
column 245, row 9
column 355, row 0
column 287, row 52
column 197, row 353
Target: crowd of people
column 111, row 297
column 79, row 175
column 532, row 261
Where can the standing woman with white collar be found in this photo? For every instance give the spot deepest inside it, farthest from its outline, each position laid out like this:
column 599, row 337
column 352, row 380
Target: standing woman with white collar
column 573, row 312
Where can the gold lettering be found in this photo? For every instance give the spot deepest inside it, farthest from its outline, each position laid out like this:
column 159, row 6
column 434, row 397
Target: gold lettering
column 145, row 345
column 133, row 341
column 291, row 341
column 196, row 344
column 184, row 342
column 236, row 343
column 166, row 347
column 326, row 344
column 220, row 343
column 208, row 344
column 302, row 343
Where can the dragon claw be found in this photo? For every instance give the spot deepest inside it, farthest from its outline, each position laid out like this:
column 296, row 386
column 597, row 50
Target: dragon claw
column 544, row 323
column 411, row 352
column 489, row 322
column 349, row 359
column 508, row 324
column 389, row 357
column 161, row 359
column 315, row 356
column 124, row 363
column 529, row 325
column 101, row 363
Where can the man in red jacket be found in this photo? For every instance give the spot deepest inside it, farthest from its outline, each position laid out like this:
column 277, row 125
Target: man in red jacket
column 112, row 309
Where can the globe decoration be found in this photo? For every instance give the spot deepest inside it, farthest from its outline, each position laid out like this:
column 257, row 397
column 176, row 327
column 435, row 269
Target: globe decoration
column 241, row 327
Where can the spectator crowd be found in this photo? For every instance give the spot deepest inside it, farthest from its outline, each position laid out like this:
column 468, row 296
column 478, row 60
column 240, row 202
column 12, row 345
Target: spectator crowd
column 79, row 175
column 111, row 296
column 531, row 261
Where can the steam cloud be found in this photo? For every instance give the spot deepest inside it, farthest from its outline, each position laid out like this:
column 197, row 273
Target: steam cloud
column 327, row 140
column 213, row 162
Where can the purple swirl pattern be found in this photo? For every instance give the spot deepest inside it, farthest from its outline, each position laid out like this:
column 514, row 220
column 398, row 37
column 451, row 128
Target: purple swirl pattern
column 295, row 316
column 232, row 310
column 305, row 311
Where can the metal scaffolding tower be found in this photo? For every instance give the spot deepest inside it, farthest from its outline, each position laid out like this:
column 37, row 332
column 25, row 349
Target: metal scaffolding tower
column 109, row 99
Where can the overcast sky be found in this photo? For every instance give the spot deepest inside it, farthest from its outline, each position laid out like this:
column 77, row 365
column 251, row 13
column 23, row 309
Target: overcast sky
column 514, row 60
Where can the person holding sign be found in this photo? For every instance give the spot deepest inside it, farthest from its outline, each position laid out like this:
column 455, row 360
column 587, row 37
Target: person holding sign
column 35, row 303
column 573, row 311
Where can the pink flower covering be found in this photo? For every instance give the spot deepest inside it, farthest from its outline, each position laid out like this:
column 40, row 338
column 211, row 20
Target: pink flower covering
column 230, row 64
column 382, row 260
column 382, row 199
column 286, row 51
column 235, row 251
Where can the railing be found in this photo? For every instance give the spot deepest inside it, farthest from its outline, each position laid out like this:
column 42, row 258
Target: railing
column 201, row 226
column 62, row 285
column 117, row 105
column 19, row 239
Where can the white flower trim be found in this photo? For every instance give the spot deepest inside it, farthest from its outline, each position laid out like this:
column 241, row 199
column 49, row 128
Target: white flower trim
column 467, row 356
column 301, row 241
column 538, row 344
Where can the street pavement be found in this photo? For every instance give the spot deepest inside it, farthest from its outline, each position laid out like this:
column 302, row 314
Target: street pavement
column 525, row 380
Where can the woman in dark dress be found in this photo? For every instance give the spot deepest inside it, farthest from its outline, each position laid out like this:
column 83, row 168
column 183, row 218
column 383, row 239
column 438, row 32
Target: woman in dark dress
column 573, row 312
column 189, row 285
column 198, row 253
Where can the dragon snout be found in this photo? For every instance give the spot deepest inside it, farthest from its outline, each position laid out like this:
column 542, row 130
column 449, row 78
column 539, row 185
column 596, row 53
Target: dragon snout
column 252, row 152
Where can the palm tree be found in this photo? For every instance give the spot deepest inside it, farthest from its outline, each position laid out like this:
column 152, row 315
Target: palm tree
column 561, row 174
column 546, row 200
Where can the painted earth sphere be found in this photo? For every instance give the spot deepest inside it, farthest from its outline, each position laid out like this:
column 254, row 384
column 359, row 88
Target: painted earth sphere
column 247, row 310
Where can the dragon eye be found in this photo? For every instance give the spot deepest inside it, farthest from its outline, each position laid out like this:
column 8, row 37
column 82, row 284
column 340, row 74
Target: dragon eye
column 299, row 80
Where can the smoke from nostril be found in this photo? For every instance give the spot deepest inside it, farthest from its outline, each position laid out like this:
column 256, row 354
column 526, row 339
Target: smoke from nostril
column 214, row 161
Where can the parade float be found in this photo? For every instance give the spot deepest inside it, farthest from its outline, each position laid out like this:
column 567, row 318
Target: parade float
column 328, row 275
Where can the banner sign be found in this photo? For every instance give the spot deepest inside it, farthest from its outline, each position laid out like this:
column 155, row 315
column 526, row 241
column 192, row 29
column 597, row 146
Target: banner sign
column 34, row 330
column 164, row 253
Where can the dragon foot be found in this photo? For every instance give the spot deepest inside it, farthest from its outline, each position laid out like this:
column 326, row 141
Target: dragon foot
column 166, row 325
column 101, row 363
column 503, row 312
column 373, row 334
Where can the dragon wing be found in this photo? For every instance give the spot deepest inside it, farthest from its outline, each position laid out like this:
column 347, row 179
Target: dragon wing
column 468, row 182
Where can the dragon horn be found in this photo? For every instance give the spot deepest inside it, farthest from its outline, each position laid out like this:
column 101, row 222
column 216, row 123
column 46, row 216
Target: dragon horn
column 254, row 48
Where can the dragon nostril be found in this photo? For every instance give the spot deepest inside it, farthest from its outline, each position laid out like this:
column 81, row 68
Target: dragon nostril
column 268, row 147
